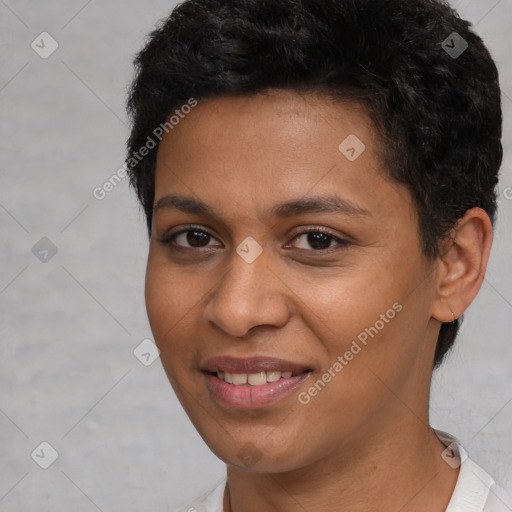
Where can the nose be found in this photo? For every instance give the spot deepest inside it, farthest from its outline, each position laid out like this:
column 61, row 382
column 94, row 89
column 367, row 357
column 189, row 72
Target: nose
column 248, row 295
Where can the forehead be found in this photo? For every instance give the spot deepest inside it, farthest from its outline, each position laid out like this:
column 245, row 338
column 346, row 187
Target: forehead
column 285, row 116
column 279, row 145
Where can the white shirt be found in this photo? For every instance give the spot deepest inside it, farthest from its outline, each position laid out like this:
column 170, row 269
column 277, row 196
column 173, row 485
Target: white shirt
column 475, row 490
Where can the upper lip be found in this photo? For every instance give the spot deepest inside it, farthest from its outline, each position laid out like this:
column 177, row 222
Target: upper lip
column 251, row 365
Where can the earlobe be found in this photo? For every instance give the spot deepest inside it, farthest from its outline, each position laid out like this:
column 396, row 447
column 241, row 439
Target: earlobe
column 462, row 265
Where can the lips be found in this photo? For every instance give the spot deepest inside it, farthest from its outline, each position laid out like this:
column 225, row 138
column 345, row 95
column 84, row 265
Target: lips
column 252, row 365
column 252, row 383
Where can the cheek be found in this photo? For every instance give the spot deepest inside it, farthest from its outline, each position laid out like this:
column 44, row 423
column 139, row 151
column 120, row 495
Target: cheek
column 165, row 307
column 344, row 304
column 167, row 300
column 159, row 302
column 368, row 316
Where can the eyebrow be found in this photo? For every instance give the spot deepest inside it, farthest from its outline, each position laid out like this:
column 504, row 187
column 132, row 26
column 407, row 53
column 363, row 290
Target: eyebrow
column 329, row 204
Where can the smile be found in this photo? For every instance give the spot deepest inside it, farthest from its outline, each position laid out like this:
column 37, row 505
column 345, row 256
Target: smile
column 252, row 382
column 253, row 379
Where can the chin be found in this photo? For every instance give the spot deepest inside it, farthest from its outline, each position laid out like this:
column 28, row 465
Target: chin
column 257, row 453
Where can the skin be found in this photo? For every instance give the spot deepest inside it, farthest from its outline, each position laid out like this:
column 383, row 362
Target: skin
column 364, row 441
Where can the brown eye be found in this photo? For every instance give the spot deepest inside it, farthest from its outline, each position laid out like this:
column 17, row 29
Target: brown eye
column 195, row 237
column 318, row 240
column 191, row 238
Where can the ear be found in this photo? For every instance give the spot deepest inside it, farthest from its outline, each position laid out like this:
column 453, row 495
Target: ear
column 462, row 264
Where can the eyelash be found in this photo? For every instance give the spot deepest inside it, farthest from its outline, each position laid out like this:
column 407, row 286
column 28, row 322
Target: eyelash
column 169, row 240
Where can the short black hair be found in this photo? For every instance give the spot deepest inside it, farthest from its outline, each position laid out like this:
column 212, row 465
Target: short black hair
column 426, row 78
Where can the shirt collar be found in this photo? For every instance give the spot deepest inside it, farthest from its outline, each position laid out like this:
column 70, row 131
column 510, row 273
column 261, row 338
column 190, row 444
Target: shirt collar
column 473, row 484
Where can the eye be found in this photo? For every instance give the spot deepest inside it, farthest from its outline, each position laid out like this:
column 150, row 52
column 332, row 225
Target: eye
column 196, row 237
column 319, row 239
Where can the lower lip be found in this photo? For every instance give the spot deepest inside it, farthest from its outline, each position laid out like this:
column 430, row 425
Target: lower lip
column 252, row 397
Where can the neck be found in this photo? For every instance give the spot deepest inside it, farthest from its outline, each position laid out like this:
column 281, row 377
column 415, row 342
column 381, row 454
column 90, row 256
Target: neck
column 400, row 469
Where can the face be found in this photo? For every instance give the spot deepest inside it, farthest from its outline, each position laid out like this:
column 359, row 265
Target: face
column 277, row 247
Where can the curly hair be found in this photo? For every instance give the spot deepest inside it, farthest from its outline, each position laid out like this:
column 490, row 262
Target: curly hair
column 438, row 113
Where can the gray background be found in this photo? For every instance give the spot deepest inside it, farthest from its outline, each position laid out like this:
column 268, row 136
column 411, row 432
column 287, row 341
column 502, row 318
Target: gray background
column 69, row 325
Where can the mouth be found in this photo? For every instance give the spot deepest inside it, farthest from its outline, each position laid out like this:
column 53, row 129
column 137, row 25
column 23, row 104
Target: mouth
column 255, row 379
column 252, row 383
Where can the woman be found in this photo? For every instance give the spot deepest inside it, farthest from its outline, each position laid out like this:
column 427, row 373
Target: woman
column 318, row 180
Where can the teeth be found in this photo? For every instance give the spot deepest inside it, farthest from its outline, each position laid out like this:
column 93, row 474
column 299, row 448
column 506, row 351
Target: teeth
column 273, row 376
column 257, row 379
column 253, row 379
column 239, row 378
